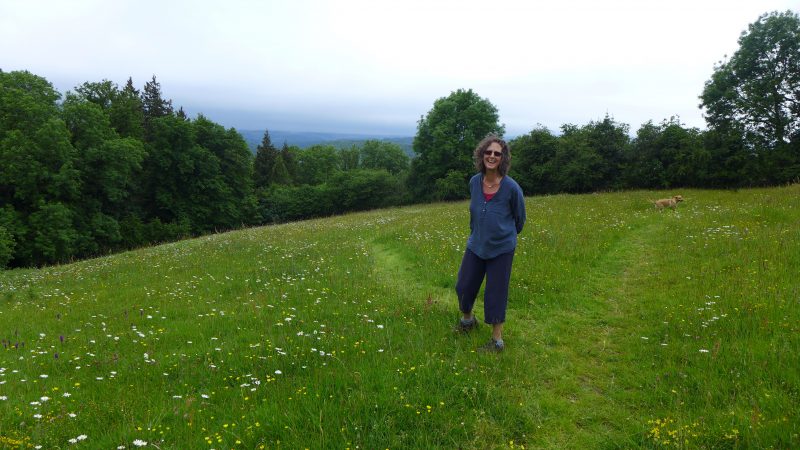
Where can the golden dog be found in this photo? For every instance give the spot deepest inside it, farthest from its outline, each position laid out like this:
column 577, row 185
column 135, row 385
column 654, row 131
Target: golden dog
column 667, row 202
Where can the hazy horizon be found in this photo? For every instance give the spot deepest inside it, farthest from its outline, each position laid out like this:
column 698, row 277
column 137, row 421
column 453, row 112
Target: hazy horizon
column 358, row 66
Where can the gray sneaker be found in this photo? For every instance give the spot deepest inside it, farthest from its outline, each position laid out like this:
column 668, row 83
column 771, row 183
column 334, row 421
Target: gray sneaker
column 492, row 346
column 466, row 327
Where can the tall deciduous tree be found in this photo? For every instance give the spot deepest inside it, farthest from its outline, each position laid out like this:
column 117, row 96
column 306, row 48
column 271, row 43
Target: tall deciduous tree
column 237, row 203
column 609, row 139
column 644, row 161
column 445, row 140
column 758, row 89
column 102, row 94
column 184, row 182
column 38, row 178
column 108, row 166
column 532, row 154
column 579, row 166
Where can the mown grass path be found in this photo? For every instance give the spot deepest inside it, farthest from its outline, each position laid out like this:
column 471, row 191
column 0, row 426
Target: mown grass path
column 561, row 369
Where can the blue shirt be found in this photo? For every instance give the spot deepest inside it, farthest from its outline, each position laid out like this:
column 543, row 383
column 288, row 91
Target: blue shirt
column 494, row 224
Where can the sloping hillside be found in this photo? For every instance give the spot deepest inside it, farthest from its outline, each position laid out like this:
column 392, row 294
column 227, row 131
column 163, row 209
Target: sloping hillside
column 627, row 327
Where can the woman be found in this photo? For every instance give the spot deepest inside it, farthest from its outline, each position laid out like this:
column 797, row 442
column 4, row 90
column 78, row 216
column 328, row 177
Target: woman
column 497, row 215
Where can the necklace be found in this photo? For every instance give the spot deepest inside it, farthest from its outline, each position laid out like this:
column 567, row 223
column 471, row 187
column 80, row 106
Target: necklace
column 489, row 186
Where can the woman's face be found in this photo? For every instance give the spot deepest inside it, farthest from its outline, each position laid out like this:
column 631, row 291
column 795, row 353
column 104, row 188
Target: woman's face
column 492, row 156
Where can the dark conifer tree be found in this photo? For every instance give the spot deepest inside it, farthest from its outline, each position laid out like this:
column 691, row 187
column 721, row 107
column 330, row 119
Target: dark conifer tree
column 130, row 88
column 127, row 112
column 288, row 155
column 279, row 174
column 153, row 104
column 266, row 155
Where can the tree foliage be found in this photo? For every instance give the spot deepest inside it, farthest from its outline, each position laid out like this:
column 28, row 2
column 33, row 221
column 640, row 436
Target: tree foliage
column 7, row 235
column 383, row 155
column 263, row 166
column 80, row 177
column 533, row 161
column 758, row 89
column 111, row 168
column 280, row 172
column 352, row 190
column 350, row 158
column 290, row 171
column 108, row 166
column 317, row 164
column 609, row 140
column 38, row 177
column 666, row 155
column 127, row 112
column 236, row 171
column 154, row 105
column 445, row 140
column 198, row 174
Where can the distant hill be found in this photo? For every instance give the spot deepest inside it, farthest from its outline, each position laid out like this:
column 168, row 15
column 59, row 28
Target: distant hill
column 307, row 139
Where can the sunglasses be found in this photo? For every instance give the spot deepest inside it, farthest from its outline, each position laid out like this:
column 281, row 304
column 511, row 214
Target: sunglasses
column 496, row 154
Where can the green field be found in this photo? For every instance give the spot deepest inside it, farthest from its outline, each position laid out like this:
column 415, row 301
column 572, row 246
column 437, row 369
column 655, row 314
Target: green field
column 627, row 328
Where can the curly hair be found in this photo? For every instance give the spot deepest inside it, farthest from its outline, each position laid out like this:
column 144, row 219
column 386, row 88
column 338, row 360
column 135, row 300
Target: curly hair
column 477, row 156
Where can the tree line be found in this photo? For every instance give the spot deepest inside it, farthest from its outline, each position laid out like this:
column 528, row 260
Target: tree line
column 108, row 168
column 752, row 108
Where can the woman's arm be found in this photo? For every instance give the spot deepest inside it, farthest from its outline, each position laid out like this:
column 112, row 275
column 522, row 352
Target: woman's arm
column 518, row 208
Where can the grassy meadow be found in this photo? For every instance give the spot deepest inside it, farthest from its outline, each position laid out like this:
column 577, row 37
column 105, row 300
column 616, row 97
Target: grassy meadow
column 627, row 328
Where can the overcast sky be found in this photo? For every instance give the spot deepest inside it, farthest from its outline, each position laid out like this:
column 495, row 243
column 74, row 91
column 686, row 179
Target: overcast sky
column 375, row 67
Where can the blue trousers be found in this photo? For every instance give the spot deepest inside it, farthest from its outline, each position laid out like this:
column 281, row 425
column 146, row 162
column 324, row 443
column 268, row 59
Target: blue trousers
column 497, row 272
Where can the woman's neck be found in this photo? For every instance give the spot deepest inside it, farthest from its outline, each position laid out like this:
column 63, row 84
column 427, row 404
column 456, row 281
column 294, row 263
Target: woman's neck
column 492, row 176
